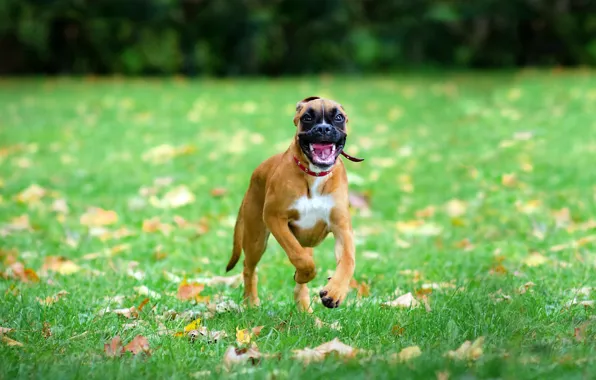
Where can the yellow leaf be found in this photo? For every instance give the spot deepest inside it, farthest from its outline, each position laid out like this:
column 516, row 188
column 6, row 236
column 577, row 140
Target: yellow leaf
column 96, row 217
column 242, row 336
column 535, row 259
column 409, row 353
column 60, row 265
column 194, row 325
column 32, row 194
column 468, row 350
column 11, row 342
column 456, row 208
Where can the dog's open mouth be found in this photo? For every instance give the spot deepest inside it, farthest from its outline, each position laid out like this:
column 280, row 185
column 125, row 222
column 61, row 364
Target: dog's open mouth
column 322, row 153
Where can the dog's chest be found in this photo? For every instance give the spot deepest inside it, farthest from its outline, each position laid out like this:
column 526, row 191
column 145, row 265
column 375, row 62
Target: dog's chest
column 313, row 209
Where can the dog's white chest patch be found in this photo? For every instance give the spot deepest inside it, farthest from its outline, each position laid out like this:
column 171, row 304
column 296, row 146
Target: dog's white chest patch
column 314, row 209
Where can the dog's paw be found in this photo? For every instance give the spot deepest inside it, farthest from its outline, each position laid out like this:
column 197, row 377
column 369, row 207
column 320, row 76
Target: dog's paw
column 332, row 295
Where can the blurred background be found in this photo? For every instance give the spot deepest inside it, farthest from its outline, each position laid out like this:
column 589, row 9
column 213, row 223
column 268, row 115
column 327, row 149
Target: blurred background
column 277, row 37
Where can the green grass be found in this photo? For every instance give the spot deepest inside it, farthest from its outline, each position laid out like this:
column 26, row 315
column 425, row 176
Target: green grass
column 426, row 139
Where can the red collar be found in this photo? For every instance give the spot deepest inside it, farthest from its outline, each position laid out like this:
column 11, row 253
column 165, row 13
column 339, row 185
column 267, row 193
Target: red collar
column 308, row 171
column 323, row 174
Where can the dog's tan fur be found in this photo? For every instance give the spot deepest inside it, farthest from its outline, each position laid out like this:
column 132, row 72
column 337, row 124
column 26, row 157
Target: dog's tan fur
column 274, row 187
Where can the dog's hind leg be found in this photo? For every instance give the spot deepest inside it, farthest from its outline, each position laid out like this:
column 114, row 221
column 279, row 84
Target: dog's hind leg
column 301, row 295
column 254, row 243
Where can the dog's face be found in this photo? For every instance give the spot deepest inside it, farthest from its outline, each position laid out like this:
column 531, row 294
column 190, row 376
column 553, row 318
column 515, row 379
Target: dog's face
column 321, row 130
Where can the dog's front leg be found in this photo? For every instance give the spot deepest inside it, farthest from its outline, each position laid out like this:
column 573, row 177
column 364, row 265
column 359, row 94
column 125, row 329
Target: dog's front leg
column 299, row 256
column 338, row 286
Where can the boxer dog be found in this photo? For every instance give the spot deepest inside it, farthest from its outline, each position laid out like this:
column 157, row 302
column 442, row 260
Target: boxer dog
column 300, row 196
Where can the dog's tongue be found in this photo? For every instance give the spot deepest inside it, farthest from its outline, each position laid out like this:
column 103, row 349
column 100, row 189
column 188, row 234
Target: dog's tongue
column 322, row 151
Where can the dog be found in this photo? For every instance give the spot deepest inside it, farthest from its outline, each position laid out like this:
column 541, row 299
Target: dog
column 299, row 197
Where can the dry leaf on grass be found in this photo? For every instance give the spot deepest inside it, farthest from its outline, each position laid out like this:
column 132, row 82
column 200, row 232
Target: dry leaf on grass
column 19, row 223
column 11, row 342
column 31, row 195
column 405, row 301
column 129, row 313
column 584, row 303
column 59, row 264
column 362, row 288
column 231, row 281
column 535, row 259
column 155, row 225
column 60, row 206
column 218, row 192
column 319, row 353
column 138, row 345
column 46, row 330
column 468, row 350
column 418, row 228
column 97, row 217
column 191, row 291
column 242, row 336
column 166, row 152
column 456, row 208
column 407, row 354
column 52, row 299
column 145, row 291
column 234, row 356
column 114, row 348
column 175, row 198
column 5, row 330
column 18, row 271
column 320, row 324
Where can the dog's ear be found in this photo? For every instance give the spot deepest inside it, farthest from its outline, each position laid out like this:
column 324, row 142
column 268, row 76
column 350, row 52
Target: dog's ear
column 301, row 104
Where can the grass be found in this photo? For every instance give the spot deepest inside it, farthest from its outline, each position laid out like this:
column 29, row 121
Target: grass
column 514, row 148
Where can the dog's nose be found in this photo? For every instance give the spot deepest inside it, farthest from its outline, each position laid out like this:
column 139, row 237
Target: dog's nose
column 323, row 129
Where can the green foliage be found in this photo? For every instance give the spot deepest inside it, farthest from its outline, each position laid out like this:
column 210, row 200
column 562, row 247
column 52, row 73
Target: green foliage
column 239, row 37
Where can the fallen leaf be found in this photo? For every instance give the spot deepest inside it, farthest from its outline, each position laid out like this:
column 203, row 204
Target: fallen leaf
column 143, row 304
column 190, row 291
column 405, row 301
column 526, row 288
column 535, row 259
column 11, row 342
column 59, row 264
column 579, row 333
column 529, row 207
column 138, row 345
column 584, row 303
column 398, row 330
column 427, row 212
column 31, row 194
column 18, row 271
column 114, row 348
column 234, row 356
column 362, row 288
column 145, row 291
column 242, row 336
column 418, row 228
column 256, row 331
column 129, row 313
column 509, row 180
column 155, row 225
column 231, row 281
column 97, row 217
column 408, row 354
column 456, row 208
column 5, row 330
column 19, row 223
column 319, row 353
column 52, row 299
column 60, row 206
column 175, row 198
column 166, row 152
column 218, row 192
column 468, row 350
column 562, row 217
column 46, row 330
column 442, row 375
column 320, row 324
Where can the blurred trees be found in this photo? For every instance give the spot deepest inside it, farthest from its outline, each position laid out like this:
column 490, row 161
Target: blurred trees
column 239, row 37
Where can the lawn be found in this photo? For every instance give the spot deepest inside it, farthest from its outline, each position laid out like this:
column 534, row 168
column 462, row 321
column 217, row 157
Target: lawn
column 477, row 196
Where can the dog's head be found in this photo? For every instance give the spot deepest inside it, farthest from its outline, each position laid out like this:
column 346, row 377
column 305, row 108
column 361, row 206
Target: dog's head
column 321, row 130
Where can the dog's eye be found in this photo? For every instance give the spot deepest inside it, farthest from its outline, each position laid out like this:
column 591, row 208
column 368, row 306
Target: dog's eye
column 306, row 118
column 339, row 118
